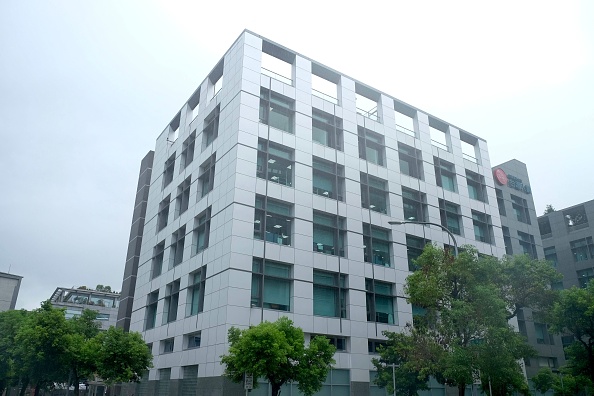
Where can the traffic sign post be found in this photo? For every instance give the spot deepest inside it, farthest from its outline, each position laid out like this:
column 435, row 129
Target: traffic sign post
column 248, row 382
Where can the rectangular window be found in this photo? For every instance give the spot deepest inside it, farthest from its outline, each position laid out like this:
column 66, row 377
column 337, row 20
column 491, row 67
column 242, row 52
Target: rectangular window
column 183, row 197
column 376, row 245
column 482, row 226
column 273, row 220
column 414, row 248
column 168, row 171
column 585, row 276
column 177, row 246
column 379, row 301
column 187, row 155
column 373, row 346
column 275, row 163
column 551, row 255
column 167, row 345
column 404, row 117
column 575, row 218
column 157, row 262
column 151, row 310
column 337, row 383
column 411, row 162
column 500, row 202
column 196, row 291
column 520, row 207
column 581, row 247
column 201, row 231
column 328, row 179
column 450, row 216
column 507, row 241
column 540, row 330
column 339, row 342
column 326, row 129
column 528, row 244
column 277, row 110
column 329, row 294
column 544, row 226
column 211, row 127
column 189, row 381
column 371, row 146
column 445, row 174
column 374, row 193
column 271, row 285
column 413, row 204
column 476, row 186
column 193, row 340
column 207, row 174
column 329, row 233
column 171, row 302
column 163, row 213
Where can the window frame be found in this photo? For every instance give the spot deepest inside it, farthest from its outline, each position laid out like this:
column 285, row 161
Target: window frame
column 261, row 278
column 268, row 155
column 332, row 173
column 210, row 130
column 369, row 239
column 168, row 170
column 371, row 301
column 171, row 303
column 207, row 176
column 338, row 288
column 201, row 226
column 176, row 251
column 283, row 107
column 369, row 140
column 182, row 200
column 263, row 216
column 373, row 190
column 450, row 211
column 330, row 126
column 195, row 293
column 334, row 224
column 445, row 169
column 414, row 160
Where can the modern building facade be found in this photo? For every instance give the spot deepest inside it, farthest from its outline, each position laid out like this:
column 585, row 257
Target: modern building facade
column 521, row 235
column 9, row 290
column 271, row 195
column 76, row 300
column 567, row 241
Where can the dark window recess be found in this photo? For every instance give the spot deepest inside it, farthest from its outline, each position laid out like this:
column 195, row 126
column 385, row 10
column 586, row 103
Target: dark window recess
column 211, row 127
column 371, row 146
column 414, row 205
column 476, row 186
column 379, row 301
column 414, row 248
column 520, row 208
column 376, row 245
column 157, row 262
column 445, row 174
column 373, row 346
column 163, row 213
column 374, row 193
column 151, row 310
column 329, row 294
column 183, row 197
column 277, row 110
column 201, row 231
column 500, row 202
column 482, row 227
column 339, row 342
column 329, row 233
column 168, row 171
column 528, row 244
column 328, row 179
column 187, row 155
column 273, row 220
column 450, row 216
column 177, row 246
column 326, row 129
column 575, row 218
column 544, row 226
column 271, row 285
column 171, row 302
column 196, row 286
column 507, row 241
column 582, row 249
column 411, row 162
column 275, row 163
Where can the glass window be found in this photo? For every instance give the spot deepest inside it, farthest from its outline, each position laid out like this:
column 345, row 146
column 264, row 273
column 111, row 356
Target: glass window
column 187, row 155
column 373, row 346
column 450, row 216
column 445, row 174
column 207, row 174
column 167, row 346
column 414, row 248
column 177, row 246
column 580, row 248
column 476, row 186
column 163, row 214
column 374, row 193
column 273, row 220
column 211, row 127
column 171, row 302
column 540, row 330
column 585, row 276
column 544, row 226
column 481, row 223
column 276, row 110
column 500, row 202
column 339, row 342
column 337, row 383
column 326, row 129
column 329, row 294
column 183, row 197
column 376, row 245
column 193, row 340
column 371, row 146
column 196, row 291
column 151, row 310
column 168, row 171
column 413, row 204
column 575, row 217
column 201, row 231
column 328, row 233
column 411, row 162
column 520, row 207
column 157, row 261
column 379, row 301
column 507, row 241
column 271, row 285
column 328, row 179
column 275, row 163
column 528, row 244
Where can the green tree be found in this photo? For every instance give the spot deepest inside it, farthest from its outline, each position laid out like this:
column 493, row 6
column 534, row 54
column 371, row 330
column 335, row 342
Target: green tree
column 573, row 315
column 549, row 209
column 102, row 288
column 120, row 356
column 402, row 350
column 10, row 323
column 276, row 351
column 465, row 328
column 80, row 351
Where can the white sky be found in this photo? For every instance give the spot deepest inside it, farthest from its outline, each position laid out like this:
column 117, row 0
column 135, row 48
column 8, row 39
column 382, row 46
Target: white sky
column 86, row 87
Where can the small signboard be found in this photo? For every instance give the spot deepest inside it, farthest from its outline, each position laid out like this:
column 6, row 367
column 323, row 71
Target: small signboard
column 249, row 381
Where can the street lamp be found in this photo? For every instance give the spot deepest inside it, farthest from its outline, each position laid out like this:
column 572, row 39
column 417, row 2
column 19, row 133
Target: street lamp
column 429, row 223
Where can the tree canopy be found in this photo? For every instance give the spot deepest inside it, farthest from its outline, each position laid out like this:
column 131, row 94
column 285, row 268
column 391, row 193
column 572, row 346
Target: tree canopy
column 464, row 335
column 276, row 351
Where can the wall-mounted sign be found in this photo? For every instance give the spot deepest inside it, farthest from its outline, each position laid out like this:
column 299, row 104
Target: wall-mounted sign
column 511, row 181
column 500, row 176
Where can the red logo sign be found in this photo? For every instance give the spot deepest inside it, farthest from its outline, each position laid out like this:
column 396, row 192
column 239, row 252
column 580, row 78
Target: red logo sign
column 500, row 176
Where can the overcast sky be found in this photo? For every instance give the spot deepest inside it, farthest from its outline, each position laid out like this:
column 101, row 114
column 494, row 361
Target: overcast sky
column 86, row 87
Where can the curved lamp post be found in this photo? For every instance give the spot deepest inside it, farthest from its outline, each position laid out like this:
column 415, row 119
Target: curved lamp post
column 429, row 223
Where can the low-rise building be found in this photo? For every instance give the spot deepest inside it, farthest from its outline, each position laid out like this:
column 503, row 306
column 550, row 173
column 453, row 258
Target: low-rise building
column 75, row 300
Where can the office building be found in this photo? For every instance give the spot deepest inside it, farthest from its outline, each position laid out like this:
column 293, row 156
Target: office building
column 521, row 235
column 9, row 290
column 76, row 300
column 270, row 195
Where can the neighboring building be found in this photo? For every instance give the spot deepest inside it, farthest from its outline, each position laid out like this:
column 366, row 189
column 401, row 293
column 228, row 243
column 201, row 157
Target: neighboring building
column 567, row 241
column 9, row 290
column 273, row 189
column 521, row 236
column 75, row 300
